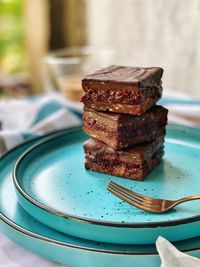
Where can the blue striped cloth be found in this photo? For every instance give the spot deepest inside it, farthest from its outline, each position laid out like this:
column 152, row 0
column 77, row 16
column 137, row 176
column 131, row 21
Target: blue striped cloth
column 25, row 119
column 183, row 110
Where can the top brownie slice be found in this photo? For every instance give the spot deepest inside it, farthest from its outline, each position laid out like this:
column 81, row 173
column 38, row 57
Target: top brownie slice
column 129, row 90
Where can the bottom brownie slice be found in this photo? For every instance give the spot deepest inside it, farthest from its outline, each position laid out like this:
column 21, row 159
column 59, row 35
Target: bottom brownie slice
column 133, row 163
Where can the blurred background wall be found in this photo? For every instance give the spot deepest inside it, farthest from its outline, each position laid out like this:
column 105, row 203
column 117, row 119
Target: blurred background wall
column 152, row 33
column 142, row 32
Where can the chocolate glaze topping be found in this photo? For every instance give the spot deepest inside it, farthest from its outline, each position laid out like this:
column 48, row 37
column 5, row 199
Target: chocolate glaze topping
column 132, row 75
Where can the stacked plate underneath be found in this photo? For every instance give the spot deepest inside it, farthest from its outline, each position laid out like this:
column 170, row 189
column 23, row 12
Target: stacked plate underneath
column 57, row 209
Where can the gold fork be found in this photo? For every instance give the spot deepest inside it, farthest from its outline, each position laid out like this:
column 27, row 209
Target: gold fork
column 154, row 205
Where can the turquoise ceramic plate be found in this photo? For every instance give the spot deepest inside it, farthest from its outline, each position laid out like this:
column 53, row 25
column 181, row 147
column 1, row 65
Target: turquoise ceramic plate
column 54, row 187
column 19, row 226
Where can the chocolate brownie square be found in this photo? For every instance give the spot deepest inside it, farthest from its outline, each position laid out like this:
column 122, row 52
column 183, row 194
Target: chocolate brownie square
column 133, row 163
column 129, row 90
column 121, row 130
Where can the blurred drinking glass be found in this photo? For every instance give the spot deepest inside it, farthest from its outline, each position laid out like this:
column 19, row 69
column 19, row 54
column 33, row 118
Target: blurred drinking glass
column 67, row 67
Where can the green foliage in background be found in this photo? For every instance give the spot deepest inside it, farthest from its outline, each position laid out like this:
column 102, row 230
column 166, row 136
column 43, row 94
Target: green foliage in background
column 13, row 56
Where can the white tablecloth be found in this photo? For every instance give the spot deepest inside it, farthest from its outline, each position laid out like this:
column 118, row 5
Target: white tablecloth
column 12, row 255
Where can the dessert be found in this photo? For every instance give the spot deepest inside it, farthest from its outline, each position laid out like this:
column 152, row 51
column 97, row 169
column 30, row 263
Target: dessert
column 134, row 163
column 126, row 125
column 120, row 130
column 128, row 90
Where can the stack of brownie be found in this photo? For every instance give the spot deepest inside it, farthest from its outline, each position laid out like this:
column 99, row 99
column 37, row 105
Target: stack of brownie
column 126, row 125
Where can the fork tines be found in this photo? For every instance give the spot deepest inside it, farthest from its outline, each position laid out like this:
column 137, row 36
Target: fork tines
column 130, row 196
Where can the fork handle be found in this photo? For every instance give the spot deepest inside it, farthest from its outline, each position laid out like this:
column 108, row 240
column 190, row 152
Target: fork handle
column 185, row 199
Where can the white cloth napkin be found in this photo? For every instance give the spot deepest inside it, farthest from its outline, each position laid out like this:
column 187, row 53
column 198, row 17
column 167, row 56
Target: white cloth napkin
column 28, row 118
column 172, row 257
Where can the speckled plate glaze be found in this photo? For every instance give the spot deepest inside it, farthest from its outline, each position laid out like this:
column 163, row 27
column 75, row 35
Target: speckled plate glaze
column 54, row 187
